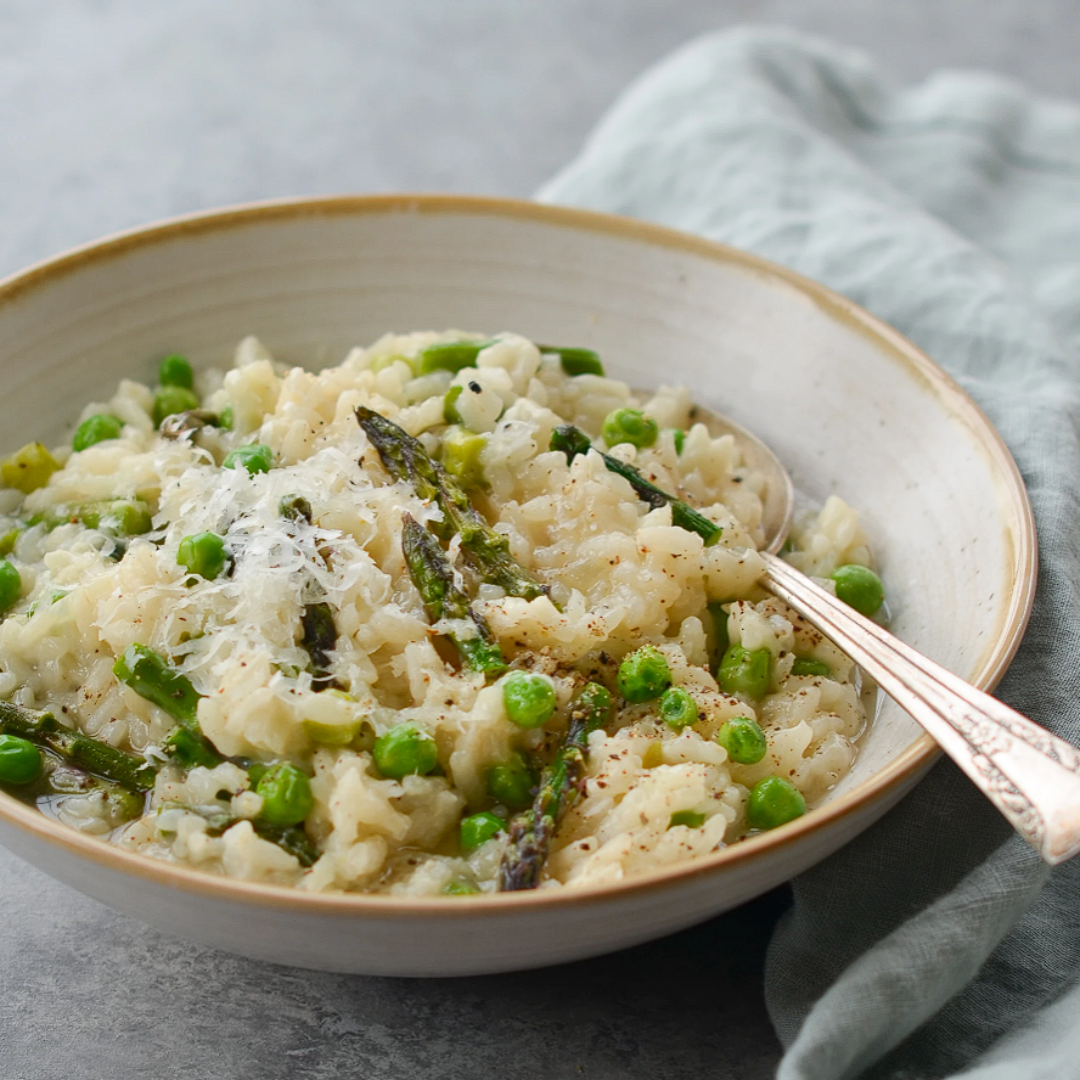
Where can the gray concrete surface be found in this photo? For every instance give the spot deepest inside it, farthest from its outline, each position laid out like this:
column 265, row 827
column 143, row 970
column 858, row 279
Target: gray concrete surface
column 115, row 112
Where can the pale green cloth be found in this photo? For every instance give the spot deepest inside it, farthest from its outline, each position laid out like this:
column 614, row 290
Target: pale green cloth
column 935, row 944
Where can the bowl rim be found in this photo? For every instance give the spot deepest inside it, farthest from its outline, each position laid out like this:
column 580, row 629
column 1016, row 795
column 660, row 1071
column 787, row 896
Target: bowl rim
column 904, row 769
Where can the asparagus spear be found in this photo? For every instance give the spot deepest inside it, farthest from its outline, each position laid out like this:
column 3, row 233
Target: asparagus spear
column 403, row 456
column 318, row 631
column 290, row 838
column 318, row 638
column 41, row 727
column 573, row 441
column 190, row 748
column 433, row 577
column 151, row 676
column 487, row 551
column 57, row 779
column 531, row 831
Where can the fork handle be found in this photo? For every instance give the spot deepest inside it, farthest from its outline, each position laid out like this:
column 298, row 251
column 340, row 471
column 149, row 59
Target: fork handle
column 1031, row 776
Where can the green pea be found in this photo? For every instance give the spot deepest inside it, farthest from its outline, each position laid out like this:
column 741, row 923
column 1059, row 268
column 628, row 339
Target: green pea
column 170, row 400
column 449, row 356
column 225, row 418
column 29, row 468
column 95, row 429
column 477, row 829
column 255, row 457
column 678, row 437
column 677, row 708
column 511, row 782
column 859, row 587
column 8, row 541
column 690, row 818
column 745, row 671
column 629, row 426
column 459, row 888
column 175, row 370
column 575, row 361
column 203, row 554
column 529, row 699
column 10, row 585
column 286, row 795
column 461, row 450
column 20, row 760
column 643, row 675
column 743, row 740
column 404, row 750
column 593, row 706
column 805, row 666
column 774, row 801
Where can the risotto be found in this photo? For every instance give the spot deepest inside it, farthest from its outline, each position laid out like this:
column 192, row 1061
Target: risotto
column 458, row 615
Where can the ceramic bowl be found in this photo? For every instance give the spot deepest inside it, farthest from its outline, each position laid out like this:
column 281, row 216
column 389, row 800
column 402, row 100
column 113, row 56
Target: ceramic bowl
column 849, row 405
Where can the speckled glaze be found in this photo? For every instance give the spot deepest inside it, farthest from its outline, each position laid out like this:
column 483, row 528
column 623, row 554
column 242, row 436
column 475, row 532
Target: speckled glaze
column 848, row 404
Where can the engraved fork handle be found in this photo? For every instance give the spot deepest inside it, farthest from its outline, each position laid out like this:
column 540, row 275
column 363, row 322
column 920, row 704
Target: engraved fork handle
column 1031, row 776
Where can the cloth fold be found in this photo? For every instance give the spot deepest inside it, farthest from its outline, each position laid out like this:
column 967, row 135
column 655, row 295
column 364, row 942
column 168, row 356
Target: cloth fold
column 937, row 943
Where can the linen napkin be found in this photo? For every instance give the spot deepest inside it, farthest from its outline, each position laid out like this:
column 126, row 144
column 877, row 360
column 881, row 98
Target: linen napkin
column 936, row 944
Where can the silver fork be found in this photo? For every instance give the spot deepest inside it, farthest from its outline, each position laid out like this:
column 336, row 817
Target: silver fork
column 1031, row 776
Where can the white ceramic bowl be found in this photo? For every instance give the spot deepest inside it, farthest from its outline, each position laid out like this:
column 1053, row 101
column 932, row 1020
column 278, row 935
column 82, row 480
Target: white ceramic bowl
column 849, row 405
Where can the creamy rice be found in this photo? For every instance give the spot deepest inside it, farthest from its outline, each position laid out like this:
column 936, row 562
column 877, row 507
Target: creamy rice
column 619, row 575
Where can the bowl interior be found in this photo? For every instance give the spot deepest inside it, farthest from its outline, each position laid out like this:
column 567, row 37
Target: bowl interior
column 849, row 406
